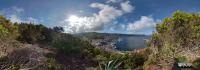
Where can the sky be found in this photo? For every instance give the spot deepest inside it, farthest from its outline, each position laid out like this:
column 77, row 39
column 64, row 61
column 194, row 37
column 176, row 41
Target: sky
column 107, row 16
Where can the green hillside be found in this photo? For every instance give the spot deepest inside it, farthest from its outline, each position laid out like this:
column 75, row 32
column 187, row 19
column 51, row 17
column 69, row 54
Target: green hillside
column 177, row 40
column 33, row 46
column 22, row 42
column 36, row 47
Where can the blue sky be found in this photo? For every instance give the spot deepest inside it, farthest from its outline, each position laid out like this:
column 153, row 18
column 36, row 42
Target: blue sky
column 113, row 16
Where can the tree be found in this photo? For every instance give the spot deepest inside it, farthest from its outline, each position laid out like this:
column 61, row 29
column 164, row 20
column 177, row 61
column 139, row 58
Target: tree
column 58, row 29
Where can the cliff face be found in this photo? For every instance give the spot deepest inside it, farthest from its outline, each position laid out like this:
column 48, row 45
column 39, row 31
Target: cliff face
column 177, row 40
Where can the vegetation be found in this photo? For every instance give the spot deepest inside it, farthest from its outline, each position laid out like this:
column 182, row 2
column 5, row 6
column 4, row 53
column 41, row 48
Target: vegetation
column 176, row 40
column 51, row 64
column 181, row 59
column 16, row 36
column 177, row 37
column 111, row 65
column 197, row 63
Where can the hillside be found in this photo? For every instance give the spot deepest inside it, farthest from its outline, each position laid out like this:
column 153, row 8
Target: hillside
column 36, row 47
column 96, row 35
column 177, row 40
column 115, row 41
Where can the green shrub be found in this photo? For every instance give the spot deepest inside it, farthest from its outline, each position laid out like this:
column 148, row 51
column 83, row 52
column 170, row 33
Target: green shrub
column 14, row 67
column 196, row 31
column 111, row 65
column 7, row 29
column 181, row 59
column 196, row 63
column 133, row 61
column 161, row 28
column 3, row 31
column 51, row 64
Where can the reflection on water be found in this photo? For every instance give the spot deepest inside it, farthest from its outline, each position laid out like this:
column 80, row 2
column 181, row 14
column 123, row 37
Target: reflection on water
column 131, row 43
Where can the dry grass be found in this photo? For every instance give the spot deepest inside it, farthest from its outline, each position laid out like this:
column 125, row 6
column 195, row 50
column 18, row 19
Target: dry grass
column 24, row 58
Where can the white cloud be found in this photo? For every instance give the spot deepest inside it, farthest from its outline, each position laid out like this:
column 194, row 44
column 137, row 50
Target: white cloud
column 116, row 27
column 99, row 20
column 145, row 22
column 12, row 10
column 14, row 13
column 32, row 20
column 82, row 24
column 107, row 13
column 14, row 18
column 17, row 9
column 127, row 7
column 113, row 1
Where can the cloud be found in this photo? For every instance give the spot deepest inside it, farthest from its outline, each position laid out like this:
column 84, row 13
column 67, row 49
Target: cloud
column 14, row 18
column 32, row 20
column 99, row 20
column 14, row 13
column 82, row 24
column 127, row 7
column 17, row 9
column 145, row 22
column 116, row 27
column 113, row 1
column 12, row 10
column 107, row 13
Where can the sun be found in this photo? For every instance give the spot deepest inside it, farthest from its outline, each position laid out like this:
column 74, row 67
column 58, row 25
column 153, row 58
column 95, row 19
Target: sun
column 73, row 18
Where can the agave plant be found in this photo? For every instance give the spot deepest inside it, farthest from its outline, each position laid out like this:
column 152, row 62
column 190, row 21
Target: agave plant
column 111, row 65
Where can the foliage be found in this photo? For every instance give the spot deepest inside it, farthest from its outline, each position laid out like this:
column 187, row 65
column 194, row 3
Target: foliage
column 196, row 63
column 161, row 28
column 51, row 64
column 21, row 58
column 68, row 44
column 181, row 59
column 7, row 29
column 128, row 60
column 30, row 33
column 196, row 31
column 175, row 35
column 58, row 29
column 38, row 34
column 133, row 61
column 111, row 65
column 14, row 67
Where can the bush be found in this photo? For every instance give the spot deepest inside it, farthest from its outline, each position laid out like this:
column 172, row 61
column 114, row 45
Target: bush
column 181, row 59
column 175, row 34
column 133, row 61
column 196, row 31
column 68, row 44
column 30, row 33
column 22, row 58
column 111, row 65
column 51, row 64
column 7, row 29
column 14, row 67
column 161, row 28
column 196, row 63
